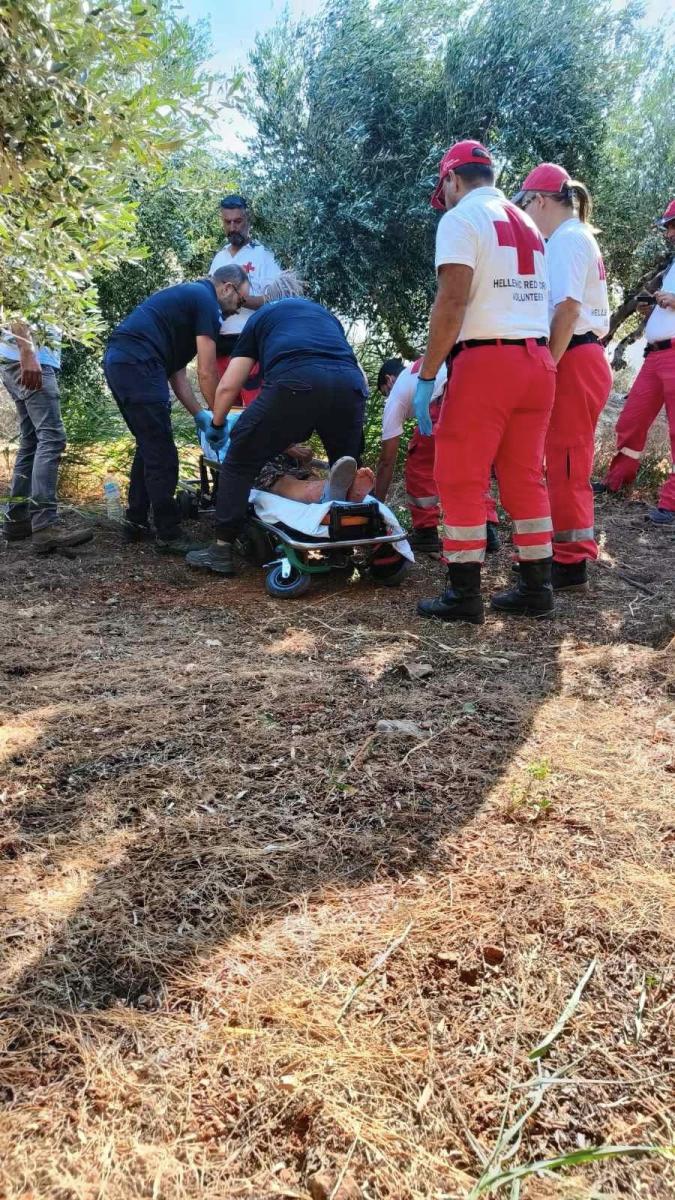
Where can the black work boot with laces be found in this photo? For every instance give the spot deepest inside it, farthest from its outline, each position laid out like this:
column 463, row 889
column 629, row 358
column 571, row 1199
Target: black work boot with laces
column 461, row 600
column 533, row 594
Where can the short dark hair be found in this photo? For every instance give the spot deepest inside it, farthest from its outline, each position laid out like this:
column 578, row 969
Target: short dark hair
column 390, row 366
column 478, row 174
column 234, row 201
column 230, row 274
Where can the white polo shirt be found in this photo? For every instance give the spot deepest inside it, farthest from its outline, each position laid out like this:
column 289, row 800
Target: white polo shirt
column 576, row 272
column 661, row 323
column 508, row 297
column 399, row 404
column 261, row 267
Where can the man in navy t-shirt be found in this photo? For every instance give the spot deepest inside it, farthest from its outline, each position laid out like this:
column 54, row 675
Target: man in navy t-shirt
column 145, row 354
column 312, row 383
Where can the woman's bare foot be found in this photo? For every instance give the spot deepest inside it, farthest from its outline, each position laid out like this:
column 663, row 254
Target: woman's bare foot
column 364, row 481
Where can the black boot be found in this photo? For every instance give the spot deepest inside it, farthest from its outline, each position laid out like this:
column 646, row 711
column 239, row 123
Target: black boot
column 533, row 594
column 218, row 557
column 569, row 577
column 425, row 541
column 461, row 600
column 493, row 543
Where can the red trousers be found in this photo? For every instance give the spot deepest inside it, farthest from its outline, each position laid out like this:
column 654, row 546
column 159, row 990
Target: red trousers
column 582, row 389
column 251, row 388
column 420, row 484
column 653, row 387
column 496, row 410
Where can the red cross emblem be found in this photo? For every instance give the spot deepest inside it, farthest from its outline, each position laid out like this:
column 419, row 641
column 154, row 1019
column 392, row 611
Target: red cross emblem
column 516, row 232
column 602, row 274
column 248, row 267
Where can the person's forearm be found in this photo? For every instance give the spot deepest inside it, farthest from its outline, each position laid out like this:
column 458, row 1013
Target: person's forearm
column 447, row 316
column 182, row 390
column 226, row 398
column 31, row 371
column 228, row 392
column 383, row 477
column 565, row 317
column 208, row 384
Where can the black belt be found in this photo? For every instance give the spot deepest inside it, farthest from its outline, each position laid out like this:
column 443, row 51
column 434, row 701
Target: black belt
column 582, row 339
column 666, row 344
column 472, row 343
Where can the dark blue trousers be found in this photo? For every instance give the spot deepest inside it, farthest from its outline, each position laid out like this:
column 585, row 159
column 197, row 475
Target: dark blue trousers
column 326, row 398
column 141, row 391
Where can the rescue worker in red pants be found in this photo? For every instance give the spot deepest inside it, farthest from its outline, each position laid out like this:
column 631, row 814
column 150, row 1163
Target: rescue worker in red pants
column 579, row 310
column 491, row 316
column 653, row 387
column 420, row 484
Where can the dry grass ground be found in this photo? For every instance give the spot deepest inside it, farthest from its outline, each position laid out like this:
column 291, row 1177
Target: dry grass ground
column 206, row 845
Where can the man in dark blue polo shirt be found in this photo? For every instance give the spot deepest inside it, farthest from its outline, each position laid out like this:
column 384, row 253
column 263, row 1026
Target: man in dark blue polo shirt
column 146, row 353
column 313, row 383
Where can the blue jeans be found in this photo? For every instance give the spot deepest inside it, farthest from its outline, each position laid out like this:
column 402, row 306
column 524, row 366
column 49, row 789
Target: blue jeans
column 41, row 445
column 141, row 391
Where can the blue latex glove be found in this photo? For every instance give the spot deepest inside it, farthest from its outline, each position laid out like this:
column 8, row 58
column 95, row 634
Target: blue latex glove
column 216, row 436
column 423, row 393
column 203, row 420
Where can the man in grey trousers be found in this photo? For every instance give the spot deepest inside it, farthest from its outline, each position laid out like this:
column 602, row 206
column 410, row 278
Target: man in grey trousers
column 30, row 375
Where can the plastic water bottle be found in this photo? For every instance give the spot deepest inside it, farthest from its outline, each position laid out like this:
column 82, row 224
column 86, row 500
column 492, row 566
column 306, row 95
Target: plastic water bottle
column 113, row 499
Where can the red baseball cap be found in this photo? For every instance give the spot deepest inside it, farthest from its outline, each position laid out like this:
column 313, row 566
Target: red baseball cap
column 460, row 155
column 547, row 177
column 668, row 216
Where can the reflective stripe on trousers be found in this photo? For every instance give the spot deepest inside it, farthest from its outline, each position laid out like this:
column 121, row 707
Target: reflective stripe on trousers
column 422, row 501
column 574, row 535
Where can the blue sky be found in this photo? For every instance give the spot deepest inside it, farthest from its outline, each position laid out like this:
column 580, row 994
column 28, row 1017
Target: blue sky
column 235, row 23
column 234, row 26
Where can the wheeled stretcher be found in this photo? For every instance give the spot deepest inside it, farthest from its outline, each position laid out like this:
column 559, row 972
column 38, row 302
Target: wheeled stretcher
column 293, row 541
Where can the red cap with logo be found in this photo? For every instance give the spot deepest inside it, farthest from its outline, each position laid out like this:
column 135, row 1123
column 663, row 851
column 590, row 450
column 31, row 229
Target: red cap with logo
column 462, row 154
column 668, row 216
column 547, row 177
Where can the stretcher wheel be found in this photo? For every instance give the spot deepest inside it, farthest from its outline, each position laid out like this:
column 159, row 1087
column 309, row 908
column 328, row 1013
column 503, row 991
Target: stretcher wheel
column 286, row 589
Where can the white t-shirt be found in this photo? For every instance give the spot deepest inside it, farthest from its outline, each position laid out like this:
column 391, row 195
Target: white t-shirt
column 661, row 323
column 261, row 267
column 509, row 290
column 399, row 404
column 576, row 272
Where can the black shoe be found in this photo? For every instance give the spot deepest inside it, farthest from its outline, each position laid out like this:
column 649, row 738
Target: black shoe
column 599, row 488
column 16, row 531
column 176, row 543
column 533, row 594
column 493, row 543
column 461, row 600
column 217, row 557
column 569, row 577
column 425, row 541
column 58, row 537
column 134, row 532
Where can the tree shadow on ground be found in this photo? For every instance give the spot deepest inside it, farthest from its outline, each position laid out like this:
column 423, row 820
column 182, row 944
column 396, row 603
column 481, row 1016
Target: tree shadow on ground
column 189, row 764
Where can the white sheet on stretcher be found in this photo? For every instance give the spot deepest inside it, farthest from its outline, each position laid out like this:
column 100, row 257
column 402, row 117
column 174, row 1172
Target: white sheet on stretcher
column 305, row 518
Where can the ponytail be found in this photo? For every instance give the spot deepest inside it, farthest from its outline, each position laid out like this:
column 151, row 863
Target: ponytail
column 577, row 194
